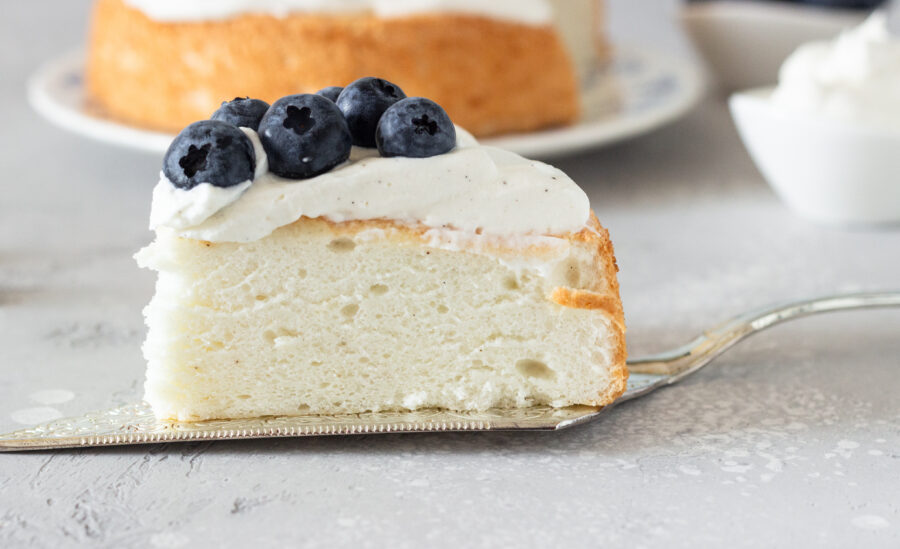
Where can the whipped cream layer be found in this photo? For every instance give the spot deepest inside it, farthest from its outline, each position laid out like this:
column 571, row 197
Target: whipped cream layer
column 854, row 78
column 531, row 12
column 472, row 188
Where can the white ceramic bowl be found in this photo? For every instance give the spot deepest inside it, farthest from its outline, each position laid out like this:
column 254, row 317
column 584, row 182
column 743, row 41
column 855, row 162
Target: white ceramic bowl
column 744, row 43
column 828, row 171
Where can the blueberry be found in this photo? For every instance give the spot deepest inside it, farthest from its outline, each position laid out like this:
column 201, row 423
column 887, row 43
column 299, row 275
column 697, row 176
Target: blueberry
column 304, row 135
column 363, row 102
column 415, row 127
column 331, row 92
column 212, row 152
column 242, row 112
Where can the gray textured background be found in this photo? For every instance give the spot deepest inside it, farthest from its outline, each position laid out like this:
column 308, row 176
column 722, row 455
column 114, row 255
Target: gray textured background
column 790, row 440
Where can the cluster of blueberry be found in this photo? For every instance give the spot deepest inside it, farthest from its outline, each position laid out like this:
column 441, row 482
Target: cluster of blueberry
column 307, row 134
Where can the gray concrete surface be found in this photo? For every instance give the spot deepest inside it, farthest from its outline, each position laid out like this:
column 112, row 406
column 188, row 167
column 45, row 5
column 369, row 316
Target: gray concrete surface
column 790, row 440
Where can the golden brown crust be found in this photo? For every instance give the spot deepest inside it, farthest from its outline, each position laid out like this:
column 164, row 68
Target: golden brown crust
column 491, row 76
column 580, row 299
column 609, row 301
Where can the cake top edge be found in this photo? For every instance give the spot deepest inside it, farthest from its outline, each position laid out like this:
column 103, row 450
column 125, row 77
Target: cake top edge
column 474, row 189
column 530, row 12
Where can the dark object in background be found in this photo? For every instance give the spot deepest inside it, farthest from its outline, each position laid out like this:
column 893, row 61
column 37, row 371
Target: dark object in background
column 745, row 42
column 842, row 4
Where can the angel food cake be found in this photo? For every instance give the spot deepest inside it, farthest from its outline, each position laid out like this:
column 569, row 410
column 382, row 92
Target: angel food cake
column 492, row 64
column 320, row 257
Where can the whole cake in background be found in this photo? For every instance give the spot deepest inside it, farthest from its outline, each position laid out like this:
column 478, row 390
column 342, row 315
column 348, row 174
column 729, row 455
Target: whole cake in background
column 354, row 251
column 497, row 66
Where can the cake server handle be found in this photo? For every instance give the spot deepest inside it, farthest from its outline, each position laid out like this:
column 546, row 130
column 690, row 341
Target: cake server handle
column 674, row 365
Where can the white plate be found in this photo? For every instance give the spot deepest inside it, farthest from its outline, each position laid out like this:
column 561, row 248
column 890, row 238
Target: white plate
column 639, row 91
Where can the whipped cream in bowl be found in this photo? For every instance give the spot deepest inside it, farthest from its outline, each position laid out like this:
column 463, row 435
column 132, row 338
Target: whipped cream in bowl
column 826, row 137
column 854, row 78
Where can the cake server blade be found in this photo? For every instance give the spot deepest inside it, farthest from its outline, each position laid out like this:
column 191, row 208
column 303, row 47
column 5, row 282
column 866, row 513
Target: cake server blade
column 135, row 423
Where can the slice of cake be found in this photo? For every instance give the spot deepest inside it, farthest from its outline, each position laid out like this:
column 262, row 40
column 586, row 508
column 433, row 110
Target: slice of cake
column 299, row 274
column 492, row 64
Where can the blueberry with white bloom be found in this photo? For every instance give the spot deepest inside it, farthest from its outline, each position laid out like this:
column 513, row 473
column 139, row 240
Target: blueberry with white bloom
column 417, row 128
column 363, row 102
column 304, row 135
column 331, row 92
column 242, row 112
column 209, row 151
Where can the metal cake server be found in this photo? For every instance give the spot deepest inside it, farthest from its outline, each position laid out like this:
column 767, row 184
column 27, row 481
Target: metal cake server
column 135, row 423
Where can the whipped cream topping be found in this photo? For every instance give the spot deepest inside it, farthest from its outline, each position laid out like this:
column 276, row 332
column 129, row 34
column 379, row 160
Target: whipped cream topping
column 473, row 188
column 531, row 12
column 854, row 78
